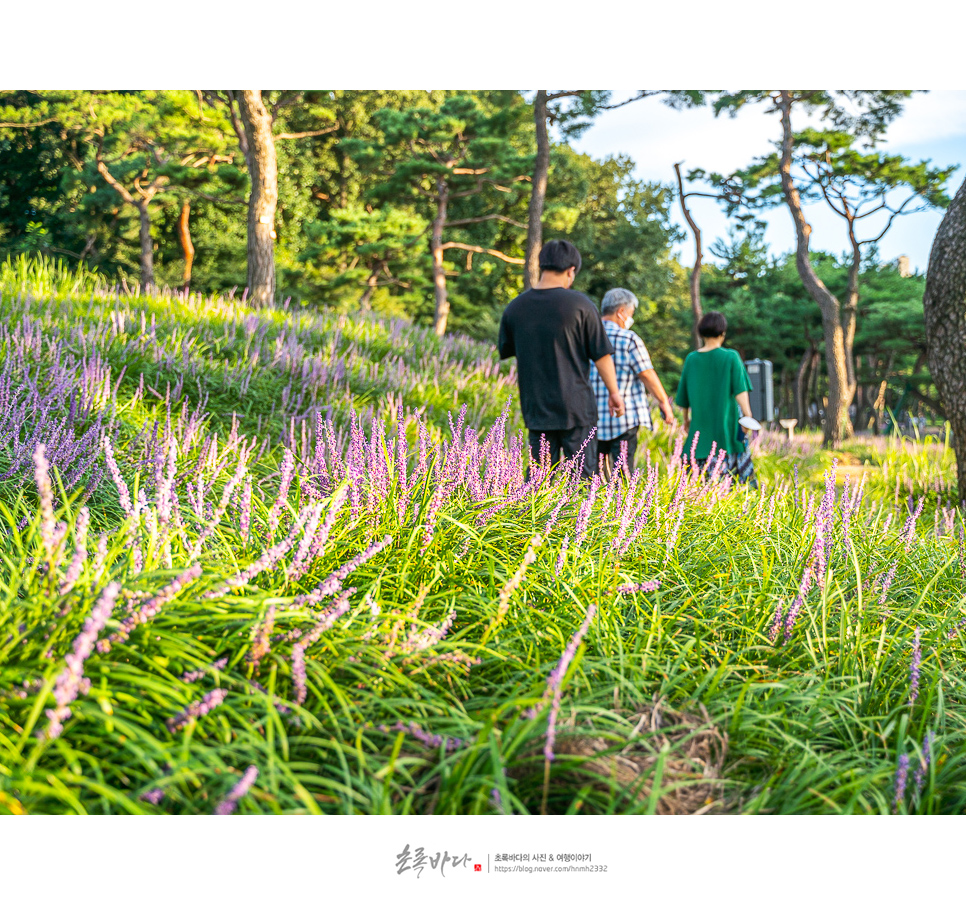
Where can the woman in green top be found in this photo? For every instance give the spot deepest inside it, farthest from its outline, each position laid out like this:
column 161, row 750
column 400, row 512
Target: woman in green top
column 714, row 385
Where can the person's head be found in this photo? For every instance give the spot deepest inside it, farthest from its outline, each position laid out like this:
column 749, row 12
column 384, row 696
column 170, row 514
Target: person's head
column 713, row 326
column 560, row 258
column 619, row 305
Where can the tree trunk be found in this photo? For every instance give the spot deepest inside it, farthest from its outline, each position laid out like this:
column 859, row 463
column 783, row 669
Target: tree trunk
column 878, row 405
column 187, row 248
column 840, row 379
column 365, row 300
column 538, row 191
column 441, row 313
column 801, row 386
column 147, row 248
column 695, row 281
column 944, row 304
column 263, row 200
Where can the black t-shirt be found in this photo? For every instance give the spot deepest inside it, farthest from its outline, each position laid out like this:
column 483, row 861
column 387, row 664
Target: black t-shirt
column 555, row 335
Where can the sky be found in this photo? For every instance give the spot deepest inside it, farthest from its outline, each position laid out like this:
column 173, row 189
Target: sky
column 932, row 126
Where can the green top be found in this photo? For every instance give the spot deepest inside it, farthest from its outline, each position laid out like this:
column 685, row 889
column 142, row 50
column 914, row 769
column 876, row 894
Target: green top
column 709, row 383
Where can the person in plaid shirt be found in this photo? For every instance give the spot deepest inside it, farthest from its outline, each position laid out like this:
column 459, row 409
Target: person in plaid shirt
column 635, row 377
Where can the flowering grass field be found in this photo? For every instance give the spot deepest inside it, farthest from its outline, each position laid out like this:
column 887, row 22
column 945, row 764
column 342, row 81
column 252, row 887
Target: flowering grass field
column 283, row 562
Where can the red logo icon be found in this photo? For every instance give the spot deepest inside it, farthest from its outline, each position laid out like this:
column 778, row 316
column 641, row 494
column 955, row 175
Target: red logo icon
column 477, row 867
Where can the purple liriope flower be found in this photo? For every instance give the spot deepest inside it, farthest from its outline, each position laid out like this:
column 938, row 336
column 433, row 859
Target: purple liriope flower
column 771, row 511
column 691, row 456
column 334, row 581
column 672, row 537
column 100, row 557
column 887, row 583
column 299, row 681
column 808, row 579
column 288, row 466
column 644, row 586
column 46, row 491
column 496, row 800
column 909, row 528
column 555, row 681
column 268, row 560
column 245, row 510
column 512, row 583
column 150, row 608
column 222, row 507
column 583, row 516
column 195, row 675
column 322, row 536
column 902, row 772
column 562, row 555
column 71, row 680
column 425, row 737
column 299, row 562
column 154, row 796
column 241, row 788
column 124, row 495
column 914, row 665
column 923, row 769
column 199, row 709
column 80, row 551
column 776, row 623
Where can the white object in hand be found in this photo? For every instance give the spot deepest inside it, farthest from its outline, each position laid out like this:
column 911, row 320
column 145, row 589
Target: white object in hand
column 749, row 422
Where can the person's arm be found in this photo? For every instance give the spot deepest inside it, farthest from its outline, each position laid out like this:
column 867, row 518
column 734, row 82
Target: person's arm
column 653, row 386
column 505, row 341
column 682, row 396
column 605, row 366
column 744, row 403
column 740, row 384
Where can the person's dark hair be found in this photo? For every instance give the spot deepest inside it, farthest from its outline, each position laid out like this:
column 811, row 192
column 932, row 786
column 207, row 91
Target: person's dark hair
column 559, row 256
column 713, row 324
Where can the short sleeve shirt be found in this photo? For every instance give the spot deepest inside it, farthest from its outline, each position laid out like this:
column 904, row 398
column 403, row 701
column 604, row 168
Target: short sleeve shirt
column 709, row 383
column 555, row 335
column 630, row 359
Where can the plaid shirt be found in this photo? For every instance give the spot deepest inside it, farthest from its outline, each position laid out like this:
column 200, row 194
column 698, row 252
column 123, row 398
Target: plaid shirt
column 630, row 359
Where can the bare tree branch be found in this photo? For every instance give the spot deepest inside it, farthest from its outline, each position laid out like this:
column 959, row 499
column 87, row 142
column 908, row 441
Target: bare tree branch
column 478, row 250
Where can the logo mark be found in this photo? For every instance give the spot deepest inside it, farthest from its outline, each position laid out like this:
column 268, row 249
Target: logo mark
column 477, row 867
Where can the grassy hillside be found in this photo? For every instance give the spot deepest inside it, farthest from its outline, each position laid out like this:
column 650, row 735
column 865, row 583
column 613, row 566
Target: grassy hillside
column 285, row 562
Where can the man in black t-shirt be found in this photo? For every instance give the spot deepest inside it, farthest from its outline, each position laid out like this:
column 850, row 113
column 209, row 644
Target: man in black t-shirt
column 555, row 332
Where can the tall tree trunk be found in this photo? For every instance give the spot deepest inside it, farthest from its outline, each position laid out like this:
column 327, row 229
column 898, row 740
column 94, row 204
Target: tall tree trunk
column 187, row 248
column 695, row 280
column 365, row 300
column 147, row 247
column 263, row 200
column 142, row 204
column 878, row 405
column 538, row 191
column 801, row 386
column 441, row 313
column 840, row 379
column 944, row 304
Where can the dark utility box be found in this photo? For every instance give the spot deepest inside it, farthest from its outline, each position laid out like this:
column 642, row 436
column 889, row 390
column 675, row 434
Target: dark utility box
column 762, row 393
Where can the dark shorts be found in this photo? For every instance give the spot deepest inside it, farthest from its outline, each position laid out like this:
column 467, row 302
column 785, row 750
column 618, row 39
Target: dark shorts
column 565, row 443
column 610, row 451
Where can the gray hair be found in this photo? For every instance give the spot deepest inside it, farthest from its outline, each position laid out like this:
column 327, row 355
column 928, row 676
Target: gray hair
column 617, row 298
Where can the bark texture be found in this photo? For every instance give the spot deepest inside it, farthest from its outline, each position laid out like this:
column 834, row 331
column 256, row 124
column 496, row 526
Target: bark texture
column 694, row 284
column 441, row 311
column 944, row 304
column 538, row 191
column 263, row 200
column 187, row 248
column 838, row 354
column 142, row 203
